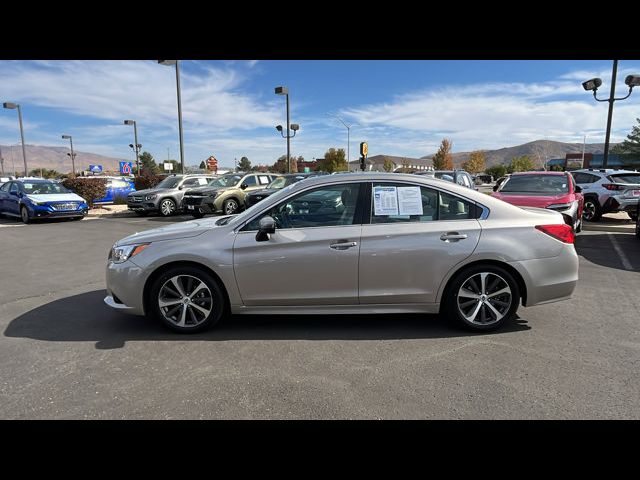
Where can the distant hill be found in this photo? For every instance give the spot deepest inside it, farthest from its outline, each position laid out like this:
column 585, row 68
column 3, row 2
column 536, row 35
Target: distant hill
column 538, row 150
column 55, row 158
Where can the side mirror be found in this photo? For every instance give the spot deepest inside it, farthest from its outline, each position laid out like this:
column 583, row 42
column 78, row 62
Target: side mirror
column 578, row 189
column 266, row 226
column 495, row 187
column 180, row 187
column 243, row 186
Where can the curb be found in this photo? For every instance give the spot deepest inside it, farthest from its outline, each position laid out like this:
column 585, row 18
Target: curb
column 609, row 228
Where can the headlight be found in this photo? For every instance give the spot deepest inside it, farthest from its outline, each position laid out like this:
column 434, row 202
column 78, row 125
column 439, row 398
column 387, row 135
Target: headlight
column 125, row 252
column 150, row 197
column 213, row 194
column 559, row 206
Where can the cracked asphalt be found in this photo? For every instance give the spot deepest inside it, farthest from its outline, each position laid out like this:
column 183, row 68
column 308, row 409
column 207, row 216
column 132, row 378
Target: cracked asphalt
column 65, row 355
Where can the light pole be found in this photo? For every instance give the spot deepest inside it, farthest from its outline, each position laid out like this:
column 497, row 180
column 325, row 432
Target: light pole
column 177, row 64
column 72, row 155
column 11, row 106
column 136, row 146
column 593, row 84
column 348, row 127
column 288, row 136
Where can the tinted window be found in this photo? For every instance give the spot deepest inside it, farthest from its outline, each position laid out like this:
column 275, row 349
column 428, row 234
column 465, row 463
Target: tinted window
column 584, row 178
column 191, row 182
column 398, row 202
column 626, row 178
column 250, row 181
column 43, row 188
column 451, row 207
column 226, row 181
column 14, row 187
column 536, row 184
column 5, row 187
column 169, row 182
column 328, row 206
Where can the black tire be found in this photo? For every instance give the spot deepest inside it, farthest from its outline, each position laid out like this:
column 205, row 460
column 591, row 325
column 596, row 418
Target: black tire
column 230, row 206
column 633, row 216
column 142, row 214
column 77, row 218
column 592, row 211
column 453, row 311
column 216, row 303
column 167, row 207
column 24, row 215
column 197, row 214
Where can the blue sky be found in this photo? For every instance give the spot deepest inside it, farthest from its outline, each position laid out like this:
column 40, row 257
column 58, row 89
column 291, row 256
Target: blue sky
column 401, row 108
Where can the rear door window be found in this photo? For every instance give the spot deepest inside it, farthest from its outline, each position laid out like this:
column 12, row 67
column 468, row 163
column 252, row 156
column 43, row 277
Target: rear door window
column 633, row 178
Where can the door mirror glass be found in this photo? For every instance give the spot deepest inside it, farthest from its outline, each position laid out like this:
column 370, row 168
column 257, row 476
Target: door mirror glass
column 266, row 226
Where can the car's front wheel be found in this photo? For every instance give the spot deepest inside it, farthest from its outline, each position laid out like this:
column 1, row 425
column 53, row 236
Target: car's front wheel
column 24, row 215
column 167, row 207
column 592, row 211
column 230, row 206
column 482, row 298
column 187, row 299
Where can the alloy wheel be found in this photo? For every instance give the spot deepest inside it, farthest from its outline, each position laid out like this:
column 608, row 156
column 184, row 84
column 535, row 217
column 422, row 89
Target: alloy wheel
column 589, row 210
column 167, row 207
column 484, row 298
column 185, row 301
column 230, row 207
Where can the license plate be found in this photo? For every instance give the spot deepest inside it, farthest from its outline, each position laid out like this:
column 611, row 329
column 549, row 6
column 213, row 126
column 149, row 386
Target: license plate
column 190, row 207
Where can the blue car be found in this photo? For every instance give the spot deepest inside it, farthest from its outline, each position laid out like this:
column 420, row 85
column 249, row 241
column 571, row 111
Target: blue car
column 30, row 199
column 117, row 187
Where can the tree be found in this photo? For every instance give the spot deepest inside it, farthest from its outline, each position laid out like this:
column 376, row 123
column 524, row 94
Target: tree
column 89, row 188
column 388, row 164
column 632, row 144
column 244, row 165
column 147, row 163
column 333, row 161
column 203, row 165
column 443, row 160
column 281, row 165
column 496, row 171
column 521, row 164
column 44, row 173
column 476, row 163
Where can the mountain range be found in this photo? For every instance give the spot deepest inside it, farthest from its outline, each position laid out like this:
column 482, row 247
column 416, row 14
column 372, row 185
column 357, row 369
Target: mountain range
column 56, row 158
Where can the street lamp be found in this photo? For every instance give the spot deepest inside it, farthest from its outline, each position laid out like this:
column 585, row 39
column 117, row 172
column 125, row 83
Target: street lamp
column 72, row 155
column 288, row 136
column 136, row 147
column 593, row 84
column 11, row 106
column 177, row 64
column 348, row 127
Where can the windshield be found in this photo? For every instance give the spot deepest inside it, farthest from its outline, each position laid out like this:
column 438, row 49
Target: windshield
column 44, row 188
column 626, row 178
column 226, row 181
column 169, row 182
column 554, row 184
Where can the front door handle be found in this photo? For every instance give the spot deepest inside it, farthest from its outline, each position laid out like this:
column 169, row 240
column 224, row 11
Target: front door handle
column 343, row 245
column 452, row 236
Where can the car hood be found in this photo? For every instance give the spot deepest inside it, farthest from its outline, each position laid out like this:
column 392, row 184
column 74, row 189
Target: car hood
column 264, row 191
column 56, row 197
column 528, row 200
column 207, row 190
column 188, row 229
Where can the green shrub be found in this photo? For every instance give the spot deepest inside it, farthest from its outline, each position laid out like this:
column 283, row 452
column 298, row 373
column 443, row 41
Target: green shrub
column 147, row 180
column 90, row 189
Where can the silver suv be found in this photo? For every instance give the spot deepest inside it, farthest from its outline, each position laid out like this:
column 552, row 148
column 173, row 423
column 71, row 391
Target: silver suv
column 461, row 177
column 608, row 191
column 166, row 197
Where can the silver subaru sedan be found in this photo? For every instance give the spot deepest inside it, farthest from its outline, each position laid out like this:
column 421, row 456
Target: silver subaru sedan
column 345, row 244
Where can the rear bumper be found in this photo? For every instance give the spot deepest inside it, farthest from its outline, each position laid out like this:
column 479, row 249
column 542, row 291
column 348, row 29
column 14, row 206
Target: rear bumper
column 549, row 279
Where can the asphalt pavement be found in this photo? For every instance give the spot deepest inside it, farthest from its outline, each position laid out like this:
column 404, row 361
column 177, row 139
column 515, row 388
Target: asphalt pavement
column 65, row 355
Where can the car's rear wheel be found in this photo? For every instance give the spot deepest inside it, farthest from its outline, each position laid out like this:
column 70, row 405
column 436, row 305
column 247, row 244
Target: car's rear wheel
column 187, row 300
column 167, row 207
column 592, row 211
column 24, row 215
column 482, row 298
column 230, row 206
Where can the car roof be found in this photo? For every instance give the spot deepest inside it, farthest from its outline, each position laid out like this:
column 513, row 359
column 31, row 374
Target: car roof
column 538, row 172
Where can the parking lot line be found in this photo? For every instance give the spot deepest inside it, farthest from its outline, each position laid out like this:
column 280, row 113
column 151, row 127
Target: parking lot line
column 623, row 257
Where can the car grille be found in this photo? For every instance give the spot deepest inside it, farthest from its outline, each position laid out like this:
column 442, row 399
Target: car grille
column 136, row 199
column 192, row 200
column 64, row 206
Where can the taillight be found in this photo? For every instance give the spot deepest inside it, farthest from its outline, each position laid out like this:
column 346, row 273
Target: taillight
column 561, row 232
column 613, row 186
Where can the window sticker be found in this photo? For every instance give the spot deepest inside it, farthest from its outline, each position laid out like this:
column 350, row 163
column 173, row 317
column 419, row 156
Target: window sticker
column 410, row 201
column 385, row 201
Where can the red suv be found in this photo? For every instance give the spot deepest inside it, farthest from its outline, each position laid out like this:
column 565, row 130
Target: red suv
column 553, row 190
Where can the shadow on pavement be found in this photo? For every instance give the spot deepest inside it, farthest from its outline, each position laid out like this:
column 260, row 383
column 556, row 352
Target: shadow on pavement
column 600, row 248
column 85, row 317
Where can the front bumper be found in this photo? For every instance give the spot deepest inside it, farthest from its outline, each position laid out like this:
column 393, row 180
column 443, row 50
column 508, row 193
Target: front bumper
column 144, row 206
column 125, row 287
column 199, row 204
column 47, row 211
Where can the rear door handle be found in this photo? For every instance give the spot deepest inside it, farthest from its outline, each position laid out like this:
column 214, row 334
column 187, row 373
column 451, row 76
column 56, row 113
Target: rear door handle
column 452, row 236
column 343, row 245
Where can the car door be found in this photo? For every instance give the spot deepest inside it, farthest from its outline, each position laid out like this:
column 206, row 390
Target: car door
column 12, row 201
column 414, row 237
column 4, row 193
column 312, row 258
